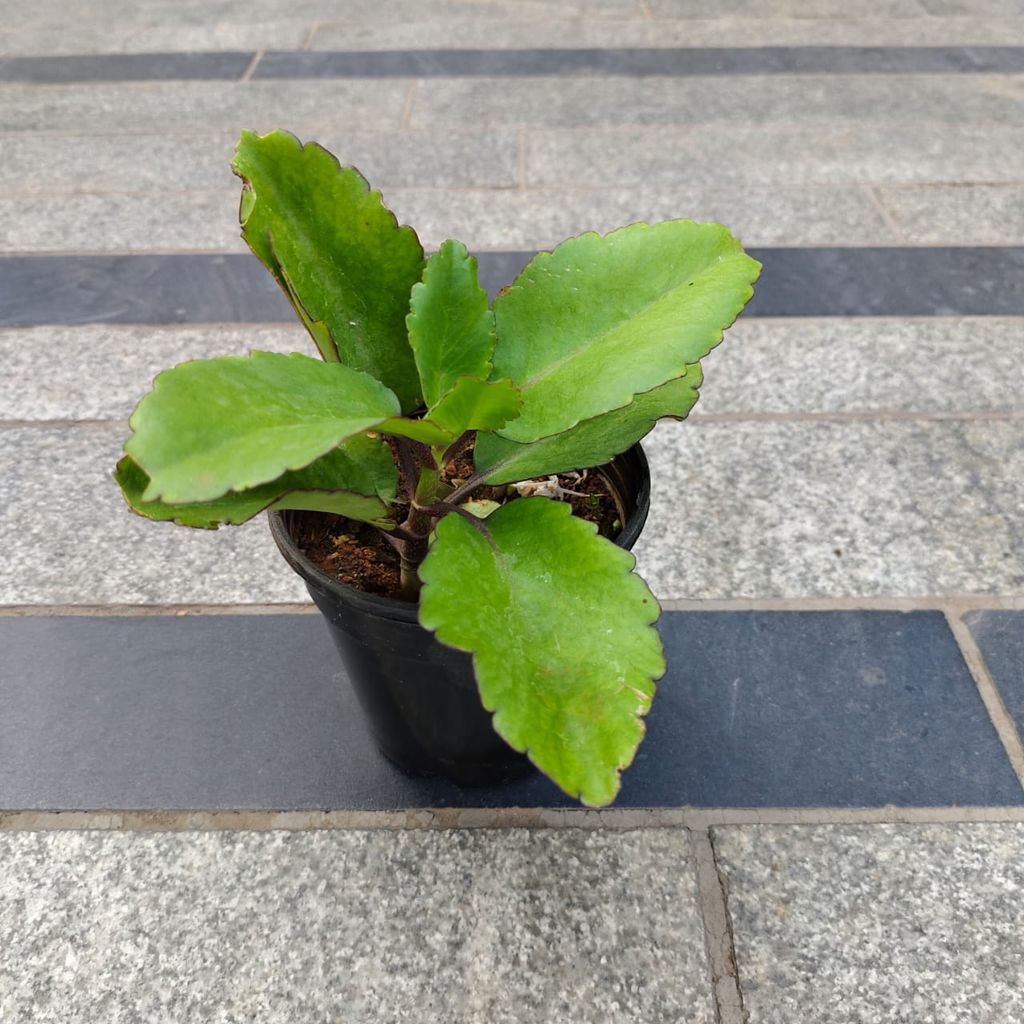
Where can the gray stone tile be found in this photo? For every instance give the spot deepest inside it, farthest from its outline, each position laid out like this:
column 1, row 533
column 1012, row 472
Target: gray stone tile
column 984, row 8
column 126, row 67
column 445, row 62
column 188, row 107
column 534, row 220
column 863, row 365
column 790, row 8
column 121, row 36
column 840, row 509
column 73, row 540
column 876, row 924
column 198, row 221
column 469, row 927
column 100, row 372
column 802, row 99
column 184, row 163
column 829, row 366
column 758, row 154
column 976, row 214
column 704, row 31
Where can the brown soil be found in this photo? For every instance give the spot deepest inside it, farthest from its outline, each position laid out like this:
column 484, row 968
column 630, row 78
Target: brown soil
column 358, row 555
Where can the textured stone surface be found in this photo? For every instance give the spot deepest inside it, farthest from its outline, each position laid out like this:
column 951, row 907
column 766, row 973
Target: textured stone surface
column 774, row 509
column 186, row 107
column 533, row 220
column 1000, row 636
column 804, row 99
column 219, row 712
column 72, row 539
column 473, row 927
column 185, row 163
column 126, row 67
column 789, row 8
column 886, row 365
column 486, row 219
column 697, row 31
column 862, row 365
column 871, row 925
column 103, row 371
column 976, row 214
column 758, row 154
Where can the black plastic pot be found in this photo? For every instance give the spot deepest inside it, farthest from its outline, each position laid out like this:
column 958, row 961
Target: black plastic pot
column 420, row 697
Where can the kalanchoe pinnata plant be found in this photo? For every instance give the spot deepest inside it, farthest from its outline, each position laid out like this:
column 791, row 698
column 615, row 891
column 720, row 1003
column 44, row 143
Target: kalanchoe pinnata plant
column 593, row 343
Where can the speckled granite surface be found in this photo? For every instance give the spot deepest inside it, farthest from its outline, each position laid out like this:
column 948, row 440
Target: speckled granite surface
column 465, row 927
column 882, row 924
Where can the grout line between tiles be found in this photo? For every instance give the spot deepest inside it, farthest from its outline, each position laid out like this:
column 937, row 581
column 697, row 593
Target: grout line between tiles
column 713, row 898
column 405, row 118
column 251, row 66
column 888, row 219
column 1002, row 720
column 307, row 43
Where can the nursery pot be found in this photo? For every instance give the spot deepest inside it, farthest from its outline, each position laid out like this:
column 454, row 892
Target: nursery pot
column 419, row 697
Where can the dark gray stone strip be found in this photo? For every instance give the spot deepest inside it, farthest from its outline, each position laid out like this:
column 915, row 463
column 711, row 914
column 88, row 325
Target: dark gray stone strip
column 462, row 63
column 234, row 288
column 679, row 62
column 125, row 67
column 1000, row 638
column 254, row 712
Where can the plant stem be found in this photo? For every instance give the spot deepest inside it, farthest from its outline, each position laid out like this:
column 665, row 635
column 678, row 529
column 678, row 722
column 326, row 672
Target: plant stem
column 416, row 530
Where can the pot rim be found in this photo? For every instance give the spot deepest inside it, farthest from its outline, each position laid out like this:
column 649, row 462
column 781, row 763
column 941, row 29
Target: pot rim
column 408, row 611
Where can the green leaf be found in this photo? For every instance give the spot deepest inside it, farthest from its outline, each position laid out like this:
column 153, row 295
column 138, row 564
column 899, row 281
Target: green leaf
column 560, row 632
column 590, row 443
column 233, row 423
column 338, row 252
column 474, row 404
column 601, row 319
column 451, row 330
column 357, row 479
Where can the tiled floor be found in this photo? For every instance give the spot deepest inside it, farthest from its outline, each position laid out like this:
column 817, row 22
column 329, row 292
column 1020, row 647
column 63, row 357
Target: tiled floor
column 837, row 532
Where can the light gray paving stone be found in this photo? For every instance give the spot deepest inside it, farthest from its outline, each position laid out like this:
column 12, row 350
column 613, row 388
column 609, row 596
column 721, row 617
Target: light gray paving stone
column 190, row 107
column 985, row 8
column 463, row 927
column 523, row 33
column 801, row 99
column 72, row 540
column 535, row 220
column 828, row 366
column 99, row 372
column 200, row 221
column 935, row 365
column 791, row 8
column 121, row 36
column 972, row 214
column 877, row 924
column 483, row 219
column 759, row 154
column 834, row 509
column 181, row 163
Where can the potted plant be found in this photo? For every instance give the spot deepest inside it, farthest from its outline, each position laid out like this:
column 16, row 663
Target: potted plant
column 441, row 441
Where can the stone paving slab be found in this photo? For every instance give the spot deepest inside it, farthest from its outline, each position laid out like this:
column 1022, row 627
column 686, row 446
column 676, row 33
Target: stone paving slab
column 705, row 30
column 485, row 219
column 739, row 509
column 469, row 927
column 78, row 543
column 802, row 99
column 927, row 366
column 1000, row 637
column 229, row 66
column 878, row 924
column 755, row 153
column 576, row 60
column 63, row 164
column 834, row 509
column 254, row 712
column 977, row 214
column 233, row 288
column 187, row 107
